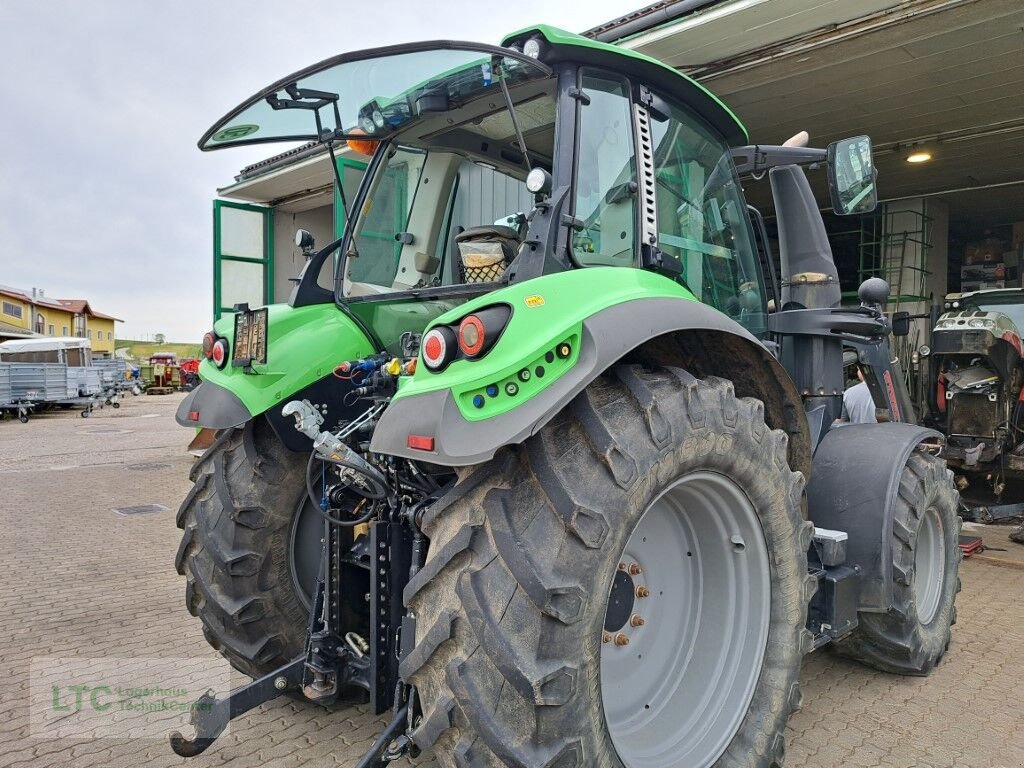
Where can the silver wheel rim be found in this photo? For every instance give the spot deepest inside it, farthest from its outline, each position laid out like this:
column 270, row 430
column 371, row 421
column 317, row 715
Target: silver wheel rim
column 929, row 562
column 676, row 693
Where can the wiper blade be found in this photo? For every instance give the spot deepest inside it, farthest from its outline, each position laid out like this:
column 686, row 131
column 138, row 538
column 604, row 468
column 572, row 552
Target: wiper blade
column 298, row 96
column 317, row 100
column 496, row 65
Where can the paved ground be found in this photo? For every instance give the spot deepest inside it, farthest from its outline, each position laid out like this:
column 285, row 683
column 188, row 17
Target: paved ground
column 81, row 582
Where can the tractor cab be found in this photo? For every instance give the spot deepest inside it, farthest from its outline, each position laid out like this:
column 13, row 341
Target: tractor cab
column 496, row 165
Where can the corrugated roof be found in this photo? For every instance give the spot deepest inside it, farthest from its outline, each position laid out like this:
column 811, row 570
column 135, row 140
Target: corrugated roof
column 284, row 158
column 6, row 329
column 640, row 13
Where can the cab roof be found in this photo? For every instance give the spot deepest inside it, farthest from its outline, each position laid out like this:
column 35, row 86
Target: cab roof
column 571, row 47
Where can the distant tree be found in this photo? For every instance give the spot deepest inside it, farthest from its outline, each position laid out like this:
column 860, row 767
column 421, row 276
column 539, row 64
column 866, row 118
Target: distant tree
column 159, row 338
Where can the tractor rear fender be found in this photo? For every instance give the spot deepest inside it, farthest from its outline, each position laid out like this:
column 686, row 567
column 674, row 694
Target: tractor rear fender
column 304, row 344
column 854, row 485
column 663, row 330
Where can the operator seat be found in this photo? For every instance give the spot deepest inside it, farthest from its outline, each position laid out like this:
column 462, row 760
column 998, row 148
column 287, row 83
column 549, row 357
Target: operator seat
column 485, row 252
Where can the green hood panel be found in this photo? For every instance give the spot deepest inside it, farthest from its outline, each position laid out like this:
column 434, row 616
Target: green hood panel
column 304, row 344
column 546, row 311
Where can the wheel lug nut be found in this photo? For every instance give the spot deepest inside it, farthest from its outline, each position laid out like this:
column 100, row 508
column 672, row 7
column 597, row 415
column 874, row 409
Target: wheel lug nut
column 634, row 569
column 606, row 637
column 636, row 620
column 621, row 639
column 622, row 566
column 642, row 591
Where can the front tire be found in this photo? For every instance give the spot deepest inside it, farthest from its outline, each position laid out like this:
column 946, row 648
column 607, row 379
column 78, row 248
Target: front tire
column 515, row 657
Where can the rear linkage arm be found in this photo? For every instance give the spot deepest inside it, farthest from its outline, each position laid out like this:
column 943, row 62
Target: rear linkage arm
column 327, row 665
column 322, row 669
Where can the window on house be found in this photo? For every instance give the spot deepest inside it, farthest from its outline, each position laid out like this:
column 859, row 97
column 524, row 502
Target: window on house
column 64, row 331
column 40, row 324
column 12, row 310
column 110, row 336
column 80, row 326
column 51, row 330
column 89, row 333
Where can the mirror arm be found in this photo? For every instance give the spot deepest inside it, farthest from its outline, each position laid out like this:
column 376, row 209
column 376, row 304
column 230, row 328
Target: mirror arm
column 755, row 159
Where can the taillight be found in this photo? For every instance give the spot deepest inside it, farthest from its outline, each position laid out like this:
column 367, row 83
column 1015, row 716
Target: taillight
column 438, row 347
column 219, row 353
column 479, row 331
column 208, row 340
column 472, row 336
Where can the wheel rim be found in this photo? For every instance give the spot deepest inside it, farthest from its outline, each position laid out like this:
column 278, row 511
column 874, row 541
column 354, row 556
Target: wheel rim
column 676, row 693
column 304, row 550
column 929, row 562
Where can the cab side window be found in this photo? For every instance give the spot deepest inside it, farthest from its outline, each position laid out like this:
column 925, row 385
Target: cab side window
column 605, row 174
column 702, row 218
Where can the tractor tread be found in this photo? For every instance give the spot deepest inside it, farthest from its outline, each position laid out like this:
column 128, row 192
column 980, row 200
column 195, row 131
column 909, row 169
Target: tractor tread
column 897, row 641
column 504, row 664
column 233, row 551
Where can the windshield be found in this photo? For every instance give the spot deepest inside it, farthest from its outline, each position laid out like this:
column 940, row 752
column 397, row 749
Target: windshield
column 371, row 92
column 1014, row 311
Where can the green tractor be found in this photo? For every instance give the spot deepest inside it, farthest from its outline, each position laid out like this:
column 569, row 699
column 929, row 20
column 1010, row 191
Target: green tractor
column 525, row 460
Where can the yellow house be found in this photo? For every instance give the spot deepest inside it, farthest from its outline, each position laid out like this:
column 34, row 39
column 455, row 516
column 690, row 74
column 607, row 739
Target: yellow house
column 93, row 325
column 15, row 315
column 24, row 315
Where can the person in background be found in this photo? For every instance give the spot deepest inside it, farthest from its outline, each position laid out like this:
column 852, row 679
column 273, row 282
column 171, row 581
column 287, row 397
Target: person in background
column 858, row 405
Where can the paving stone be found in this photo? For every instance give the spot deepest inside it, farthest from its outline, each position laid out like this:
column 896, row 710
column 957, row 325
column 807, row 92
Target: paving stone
column 82, row 582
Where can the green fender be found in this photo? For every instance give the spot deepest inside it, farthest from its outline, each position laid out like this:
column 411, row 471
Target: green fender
column 601, row 313
column 304, row 344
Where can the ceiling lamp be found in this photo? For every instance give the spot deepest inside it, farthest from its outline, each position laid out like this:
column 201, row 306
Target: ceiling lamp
column 919, row 157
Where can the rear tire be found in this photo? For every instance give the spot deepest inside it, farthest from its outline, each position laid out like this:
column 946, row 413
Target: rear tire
column 513, row 600
column 236, row 548
column 914, row 635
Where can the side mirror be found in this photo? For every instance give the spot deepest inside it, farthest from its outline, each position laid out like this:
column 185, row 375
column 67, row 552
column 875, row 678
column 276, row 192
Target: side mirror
column 900, row 323
column 851, row 176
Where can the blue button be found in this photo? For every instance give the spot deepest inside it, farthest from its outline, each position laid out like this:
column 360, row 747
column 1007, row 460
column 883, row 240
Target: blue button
column 492, row 390
column 478, row 401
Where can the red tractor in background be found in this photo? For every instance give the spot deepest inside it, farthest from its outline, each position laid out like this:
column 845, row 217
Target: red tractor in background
column 189, row 371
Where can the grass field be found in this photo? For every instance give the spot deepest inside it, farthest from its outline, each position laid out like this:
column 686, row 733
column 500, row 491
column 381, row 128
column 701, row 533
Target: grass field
column 141, row 350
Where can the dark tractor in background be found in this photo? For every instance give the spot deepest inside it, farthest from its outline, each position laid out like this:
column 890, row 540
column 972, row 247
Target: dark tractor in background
column 973, row 385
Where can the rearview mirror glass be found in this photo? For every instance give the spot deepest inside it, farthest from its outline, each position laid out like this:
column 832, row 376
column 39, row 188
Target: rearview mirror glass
column 851, row 176
column 900, row 323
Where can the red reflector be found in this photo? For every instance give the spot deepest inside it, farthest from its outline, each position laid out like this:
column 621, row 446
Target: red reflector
column 219, row 353
column 208, row 341
column 193, row 415
column 433, row 349
column 421, row 443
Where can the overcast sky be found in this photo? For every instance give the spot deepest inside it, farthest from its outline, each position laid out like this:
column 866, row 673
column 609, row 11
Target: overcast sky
column 103, row 194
